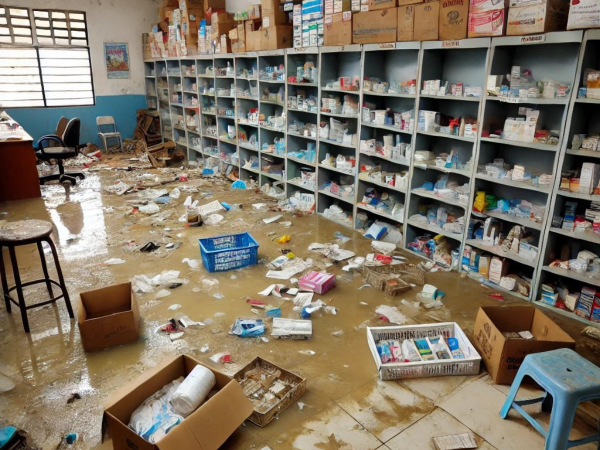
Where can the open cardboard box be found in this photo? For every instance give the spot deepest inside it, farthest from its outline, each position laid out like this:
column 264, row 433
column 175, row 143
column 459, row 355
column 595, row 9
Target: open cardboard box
column 207, row 428
column 502, row 356
column 108, row 317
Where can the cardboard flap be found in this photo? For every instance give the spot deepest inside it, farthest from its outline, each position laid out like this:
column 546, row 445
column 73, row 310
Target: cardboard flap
column 106, row 301
column 544, row 329
column 130, row 389
column 219, row 417
column 510, row 318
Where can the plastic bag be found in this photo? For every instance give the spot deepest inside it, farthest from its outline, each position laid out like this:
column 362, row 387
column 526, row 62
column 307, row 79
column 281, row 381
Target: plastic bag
column 154, row 418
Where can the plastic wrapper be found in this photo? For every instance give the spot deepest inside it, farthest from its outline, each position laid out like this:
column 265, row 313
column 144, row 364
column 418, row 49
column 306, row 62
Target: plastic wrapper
column 154, row 418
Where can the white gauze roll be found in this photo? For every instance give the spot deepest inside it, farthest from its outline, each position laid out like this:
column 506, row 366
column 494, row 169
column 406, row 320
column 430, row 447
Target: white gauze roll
column 192, row 392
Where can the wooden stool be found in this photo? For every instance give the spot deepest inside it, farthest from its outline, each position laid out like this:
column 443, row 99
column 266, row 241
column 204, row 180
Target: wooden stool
column 25, row 232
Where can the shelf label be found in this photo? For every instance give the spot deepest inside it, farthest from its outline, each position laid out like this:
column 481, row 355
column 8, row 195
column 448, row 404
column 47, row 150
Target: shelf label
column 300, row 49
column 451, row 44
column 533, row 39
column 387, row 45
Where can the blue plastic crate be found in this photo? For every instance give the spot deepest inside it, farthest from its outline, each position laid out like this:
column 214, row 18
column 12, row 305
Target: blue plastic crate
column 229, row 251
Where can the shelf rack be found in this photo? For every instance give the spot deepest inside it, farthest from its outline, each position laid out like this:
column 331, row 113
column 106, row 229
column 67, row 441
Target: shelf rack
column 566, row 55
column 466, row 62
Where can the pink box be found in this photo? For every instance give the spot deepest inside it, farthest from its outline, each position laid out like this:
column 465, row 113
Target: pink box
column 317, row 282
column 487, row 23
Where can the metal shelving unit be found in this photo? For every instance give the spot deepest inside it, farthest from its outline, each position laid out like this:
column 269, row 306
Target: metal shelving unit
column 465, row 62
column 557, row 55
column 232, row 121
column 583, row 116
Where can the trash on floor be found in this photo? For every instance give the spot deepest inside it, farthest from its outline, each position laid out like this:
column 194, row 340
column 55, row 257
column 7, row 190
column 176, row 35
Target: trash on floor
column 189, row 386
column 392, row 314
column 454, row 442
column 317, row 282
column 270, row 388
column 291, row 328
column 248, row 328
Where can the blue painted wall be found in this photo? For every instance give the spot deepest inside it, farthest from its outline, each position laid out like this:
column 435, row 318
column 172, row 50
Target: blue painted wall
column 40, row 121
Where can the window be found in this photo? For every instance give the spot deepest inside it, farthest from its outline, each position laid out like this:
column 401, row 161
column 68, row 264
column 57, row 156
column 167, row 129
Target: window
column 44, row 58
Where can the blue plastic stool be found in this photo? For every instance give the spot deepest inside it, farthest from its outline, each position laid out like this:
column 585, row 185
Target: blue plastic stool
column 569, row 379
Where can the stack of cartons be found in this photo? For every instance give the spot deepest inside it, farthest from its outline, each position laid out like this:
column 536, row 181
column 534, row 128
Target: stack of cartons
column 377, row 25
column 427, row 20
column 165, row 10
column 192, row 13
column 537, row 16
column 275, row 32
column 406, row 20
column 454, row 17
column 312, row 22
column 204, row 39
column 337, row 28
column 487, row 18
column 584, row 14
column 221, row 23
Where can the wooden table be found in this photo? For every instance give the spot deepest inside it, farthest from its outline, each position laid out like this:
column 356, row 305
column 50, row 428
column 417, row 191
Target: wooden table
column 18, row 172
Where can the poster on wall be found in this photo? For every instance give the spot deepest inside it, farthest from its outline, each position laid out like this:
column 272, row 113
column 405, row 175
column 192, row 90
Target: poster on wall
column 116, row 56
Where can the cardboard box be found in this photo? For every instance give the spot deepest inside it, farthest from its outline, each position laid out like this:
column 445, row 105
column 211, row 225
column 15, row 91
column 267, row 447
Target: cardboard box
column 108, row 317
column 584, row 14
column 205, row 429
column 427, row 21
column 406, row 23
column 503, row 356
column 487, row 23
column 454, row 19
column 253, row 40
column 375, row 26
column 219, row 29
column 273, row 13
column 338, row 31
column 487, row 5
column 543, row 18
column 382, row 4
column 252, row 25
column 214, row 4
column 409, row 2
column 274, row 38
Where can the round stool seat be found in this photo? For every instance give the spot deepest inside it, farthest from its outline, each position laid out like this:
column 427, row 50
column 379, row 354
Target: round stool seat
column 24, row 231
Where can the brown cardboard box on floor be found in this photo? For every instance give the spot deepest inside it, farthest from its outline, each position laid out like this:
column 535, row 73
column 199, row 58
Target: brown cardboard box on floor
column 376, row 26
column 273, row 13
column 427, row 21
column 551, row 15
column 454, row 18
column 503, row 356
column 406, row 23
column 108, row 317
column 207, row 428
column 337, row 31
column 277, row 37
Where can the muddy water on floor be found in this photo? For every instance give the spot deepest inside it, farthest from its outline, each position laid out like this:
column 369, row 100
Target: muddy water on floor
column 93, row 226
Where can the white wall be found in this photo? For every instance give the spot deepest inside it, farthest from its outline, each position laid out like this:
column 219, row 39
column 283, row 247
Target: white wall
column 110, row 21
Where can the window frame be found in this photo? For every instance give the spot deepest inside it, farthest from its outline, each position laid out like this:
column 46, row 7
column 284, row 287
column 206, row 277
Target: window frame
column 37, row 47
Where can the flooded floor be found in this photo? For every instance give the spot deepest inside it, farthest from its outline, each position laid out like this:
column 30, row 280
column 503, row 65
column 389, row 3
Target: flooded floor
column 345, row 405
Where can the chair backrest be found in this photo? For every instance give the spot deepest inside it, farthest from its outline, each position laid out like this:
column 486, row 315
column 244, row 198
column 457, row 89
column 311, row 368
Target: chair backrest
column 107, row 121
column 61, row 126
column 71, row 136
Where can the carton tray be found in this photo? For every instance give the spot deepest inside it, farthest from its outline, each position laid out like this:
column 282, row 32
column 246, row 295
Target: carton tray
column 263, row 418
column 397, row 371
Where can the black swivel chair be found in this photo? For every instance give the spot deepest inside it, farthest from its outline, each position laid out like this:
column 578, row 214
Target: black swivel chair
column 64, row 148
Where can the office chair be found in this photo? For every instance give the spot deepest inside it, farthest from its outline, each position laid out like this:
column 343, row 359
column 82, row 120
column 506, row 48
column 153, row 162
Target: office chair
column 112, row 133
column 67, row 147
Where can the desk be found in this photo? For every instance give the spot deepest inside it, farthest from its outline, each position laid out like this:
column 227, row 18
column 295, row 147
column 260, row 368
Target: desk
column 18, row 172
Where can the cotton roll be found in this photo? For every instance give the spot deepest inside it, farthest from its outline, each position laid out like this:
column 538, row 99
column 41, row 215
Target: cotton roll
column 191, row 393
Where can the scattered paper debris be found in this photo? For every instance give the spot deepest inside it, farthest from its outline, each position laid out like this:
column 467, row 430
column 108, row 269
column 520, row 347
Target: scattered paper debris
column 392, row 314
column 114, row 261
column 272, row 219
column 174, row 307
column 193, row 263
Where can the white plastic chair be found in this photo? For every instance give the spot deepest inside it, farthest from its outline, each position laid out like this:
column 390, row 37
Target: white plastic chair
column 109, row 123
